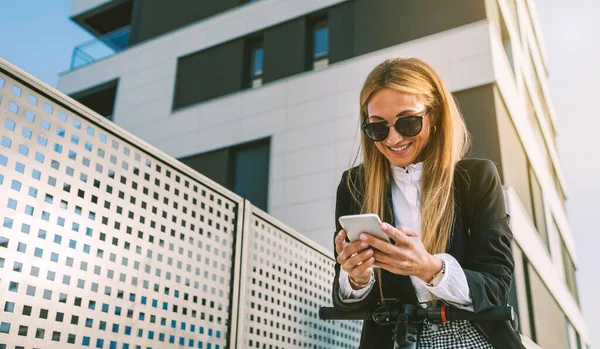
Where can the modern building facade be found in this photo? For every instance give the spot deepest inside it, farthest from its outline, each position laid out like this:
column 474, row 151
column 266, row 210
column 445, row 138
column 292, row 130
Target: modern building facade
column 106, row 242
column 262, row 97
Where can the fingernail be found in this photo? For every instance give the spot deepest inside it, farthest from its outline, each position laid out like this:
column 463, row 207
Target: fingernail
column 363, row 237
column 363, row 244
column 384, row 225
column 369, row 252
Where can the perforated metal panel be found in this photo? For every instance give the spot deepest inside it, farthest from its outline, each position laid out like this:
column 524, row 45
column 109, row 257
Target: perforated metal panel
column 287, row 280
column 102, row 244
column 105, row 242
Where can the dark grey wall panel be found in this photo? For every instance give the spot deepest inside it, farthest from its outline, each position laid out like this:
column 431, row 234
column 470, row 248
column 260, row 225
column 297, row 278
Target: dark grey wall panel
column 251, row 164
column 215, row 165
column 549, row 318
column 355, row 27
column 208, row 74
column 341, row 32
column 159, row 16
column 242, row 168
column 477, row 106
column 514, row 157
column 383, row 23
column 100, row 98
column 285, row 50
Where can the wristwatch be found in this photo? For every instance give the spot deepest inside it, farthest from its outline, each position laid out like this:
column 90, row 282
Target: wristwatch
column 360, row 286
column 435, row 279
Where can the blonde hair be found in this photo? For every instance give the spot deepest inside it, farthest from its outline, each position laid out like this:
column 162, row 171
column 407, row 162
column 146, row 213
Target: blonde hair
column 445, row 148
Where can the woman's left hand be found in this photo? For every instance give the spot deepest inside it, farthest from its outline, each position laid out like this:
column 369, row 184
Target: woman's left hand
column 407, row 257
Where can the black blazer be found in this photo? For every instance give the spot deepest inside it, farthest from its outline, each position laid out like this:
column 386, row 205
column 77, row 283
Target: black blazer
column 480, row 242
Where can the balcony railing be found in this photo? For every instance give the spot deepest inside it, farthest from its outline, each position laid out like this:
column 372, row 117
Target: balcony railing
column 135, row 232
column 101, row 47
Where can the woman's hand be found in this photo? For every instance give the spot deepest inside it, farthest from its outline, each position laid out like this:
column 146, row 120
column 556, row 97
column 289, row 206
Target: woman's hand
column 407, row 257
column 355, row 258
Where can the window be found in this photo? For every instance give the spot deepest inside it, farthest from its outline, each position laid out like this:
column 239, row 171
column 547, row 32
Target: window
column 319, row 37
column 256, row 53
column 569, row 269
column 506, row 41
column 539, row 214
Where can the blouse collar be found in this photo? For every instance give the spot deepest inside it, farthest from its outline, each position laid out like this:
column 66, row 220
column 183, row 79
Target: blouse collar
column 411, row 172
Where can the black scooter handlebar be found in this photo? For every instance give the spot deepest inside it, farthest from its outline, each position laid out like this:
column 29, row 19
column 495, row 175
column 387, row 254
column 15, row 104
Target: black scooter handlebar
column 440, row 313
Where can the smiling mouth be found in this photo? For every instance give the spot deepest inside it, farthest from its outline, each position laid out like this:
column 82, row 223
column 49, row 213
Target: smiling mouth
column 401, row 148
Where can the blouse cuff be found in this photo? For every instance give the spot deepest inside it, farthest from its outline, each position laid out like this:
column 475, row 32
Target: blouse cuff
column 347, row 293
column 453, row 286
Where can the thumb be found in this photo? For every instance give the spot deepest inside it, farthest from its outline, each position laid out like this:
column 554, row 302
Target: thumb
column 340, row 241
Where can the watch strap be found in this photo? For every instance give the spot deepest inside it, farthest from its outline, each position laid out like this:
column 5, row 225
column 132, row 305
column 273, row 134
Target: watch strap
column 361, row 286
column 437, row 276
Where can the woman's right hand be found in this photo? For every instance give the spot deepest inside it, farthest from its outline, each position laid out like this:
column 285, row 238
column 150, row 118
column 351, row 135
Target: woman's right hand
column 355, row 258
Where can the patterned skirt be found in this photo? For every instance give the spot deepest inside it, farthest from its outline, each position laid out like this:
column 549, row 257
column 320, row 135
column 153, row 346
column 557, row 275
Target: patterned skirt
column 459, row 334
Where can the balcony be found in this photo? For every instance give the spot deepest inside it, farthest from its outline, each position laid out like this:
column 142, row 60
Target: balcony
column 102, row 47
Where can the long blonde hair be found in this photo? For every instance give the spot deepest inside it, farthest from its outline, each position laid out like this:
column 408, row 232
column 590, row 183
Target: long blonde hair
column 446, row 147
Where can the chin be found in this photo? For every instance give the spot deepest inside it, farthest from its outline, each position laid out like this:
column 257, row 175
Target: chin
column 401, row 164
column 400, row 160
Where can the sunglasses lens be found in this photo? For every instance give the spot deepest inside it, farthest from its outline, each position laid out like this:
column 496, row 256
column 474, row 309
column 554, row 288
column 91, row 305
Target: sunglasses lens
column 377, row 131
column 409, row 126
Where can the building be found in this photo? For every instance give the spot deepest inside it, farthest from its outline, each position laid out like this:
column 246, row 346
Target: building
column 262, row 96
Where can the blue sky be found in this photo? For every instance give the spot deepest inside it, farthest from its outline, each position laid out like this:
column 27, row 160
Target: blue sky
column 39, row 37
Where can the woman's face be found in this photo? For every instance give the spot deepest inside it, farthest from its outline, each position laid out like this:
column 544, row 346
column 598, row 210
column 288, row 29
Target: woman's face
column 388, row 104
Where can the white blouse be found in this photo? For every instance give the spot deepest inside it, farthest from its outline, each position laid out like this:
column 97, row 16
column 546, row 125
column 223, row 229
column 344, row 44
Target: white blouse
column 452, row 287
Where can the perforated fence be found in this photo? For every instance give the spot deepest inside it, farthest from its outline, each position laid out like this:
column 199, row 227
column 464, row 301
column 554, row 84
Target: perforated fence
column 106, row 242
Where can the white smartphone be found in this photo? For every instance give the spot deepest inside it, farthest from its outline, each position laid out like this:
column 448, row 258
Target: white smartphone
column 368, row 223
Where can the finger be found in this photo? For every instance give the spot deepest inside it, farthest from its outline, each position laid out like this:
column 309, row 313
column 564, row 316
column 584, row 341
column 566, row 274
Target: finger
column 340, row 241
column 382, row 257
column 359, row 258
column 398, row 261
column 401, row 268
column 350, row 249
column 385, row 266
column 394, row 233
column 361, row 269
column 408, row 231
column 378, row 243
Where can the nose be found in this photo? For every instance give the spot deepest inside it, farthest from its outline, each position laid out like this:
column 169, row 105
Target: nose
column 393, row 137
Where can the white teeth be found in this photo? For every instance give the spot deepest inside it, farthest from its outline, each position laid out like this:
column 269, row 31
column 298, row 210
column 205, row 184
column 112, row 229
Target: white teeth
column 400, row 148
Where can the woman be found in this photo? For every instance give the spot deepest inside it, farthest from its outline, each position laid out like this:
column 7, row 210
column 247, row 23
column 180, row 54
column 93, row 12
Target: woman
column 452, row 240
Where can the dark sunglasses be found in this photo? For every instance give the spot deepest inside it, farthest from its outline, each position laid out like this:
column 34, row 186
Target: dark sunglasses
column 408, row 126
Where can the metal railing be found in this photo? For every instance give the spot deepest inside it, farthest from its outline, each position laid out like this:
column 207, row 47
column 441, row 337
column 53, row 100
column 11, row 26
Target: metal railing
column 132, row 247
column 101, row 47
